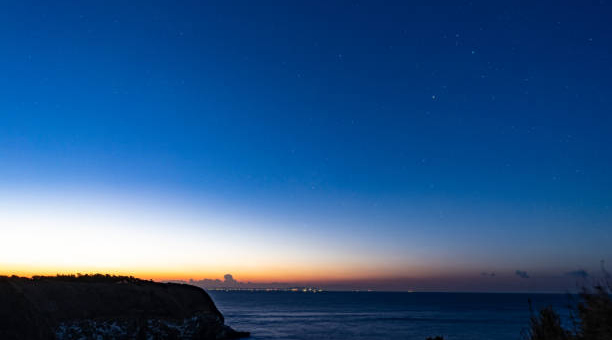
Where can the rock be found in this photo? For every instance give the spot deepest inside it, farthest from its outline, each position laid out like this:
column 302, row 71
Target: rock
column 107, row 307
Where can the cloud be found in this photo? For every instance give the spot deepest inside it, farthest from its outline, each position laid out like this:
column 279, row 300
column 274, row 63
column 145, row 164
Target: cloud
column 521, row 274
column 491, row 274
column 229, row 282
column 580, row 273
column 229, row 279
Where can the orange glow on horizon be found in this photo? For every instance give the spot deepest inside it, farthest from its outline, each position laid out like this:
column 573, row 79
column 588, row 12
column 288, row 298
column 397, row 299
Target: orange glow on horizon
column 280, row 275
column 43, row 234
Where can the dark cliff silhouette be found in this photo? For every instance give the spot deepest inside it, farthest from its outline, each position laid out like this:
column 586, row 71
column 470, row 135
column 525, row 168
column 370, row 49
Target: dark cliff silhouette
column 87, row 306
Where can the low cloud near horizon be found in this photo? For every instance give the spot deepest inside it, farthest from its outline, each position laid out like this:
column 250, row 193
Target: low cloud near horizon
column 490, row 282
column 580, row 273
column 228, row 278
column 230, row 282
column 522, row 274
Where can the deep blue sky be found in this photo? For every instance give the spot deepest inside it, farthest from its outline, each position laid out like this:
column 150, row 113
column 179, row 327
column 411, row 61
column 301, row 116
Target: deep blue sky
column 449, row 134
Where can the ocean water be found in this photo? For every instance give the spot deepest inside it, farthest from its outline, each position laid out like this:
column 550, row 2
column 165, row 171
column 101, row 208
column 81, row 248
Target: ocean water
column 379, row 315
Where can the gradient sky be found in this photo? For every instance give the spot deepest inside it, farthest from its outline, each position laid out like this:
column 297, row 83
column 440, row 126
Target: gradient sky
column 402, row 143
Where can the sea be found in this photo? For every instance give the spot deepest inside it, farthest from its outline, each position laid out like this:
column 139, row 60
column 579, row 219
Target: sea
column 382, row 315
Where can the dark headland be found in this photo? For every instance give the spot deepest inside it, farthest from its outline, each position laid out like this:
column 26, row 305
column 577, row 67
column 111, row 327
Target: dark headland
column 107, row 307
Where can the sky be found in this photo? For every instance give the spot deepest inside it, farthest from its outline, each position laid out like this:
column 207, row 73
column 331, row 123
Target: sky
column 440, row 145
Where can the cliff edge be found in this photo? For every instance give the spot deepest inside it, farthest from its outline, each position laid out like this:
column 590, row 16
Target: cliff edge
column 107, row 307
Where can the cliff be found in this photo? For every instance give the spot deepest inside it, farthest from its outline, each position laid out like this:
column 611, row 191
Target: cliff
column 107, row 307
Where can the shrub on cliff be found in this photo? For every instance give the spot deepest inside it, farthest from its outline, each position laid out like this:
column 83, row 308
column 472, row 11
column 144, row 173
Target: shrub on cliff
column 595, row 314
column 546, row 325
column 591, row 318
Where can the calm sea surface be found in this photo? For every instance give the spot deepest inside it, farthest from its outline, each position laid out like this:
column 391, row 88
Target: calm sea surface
column 377, row 315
